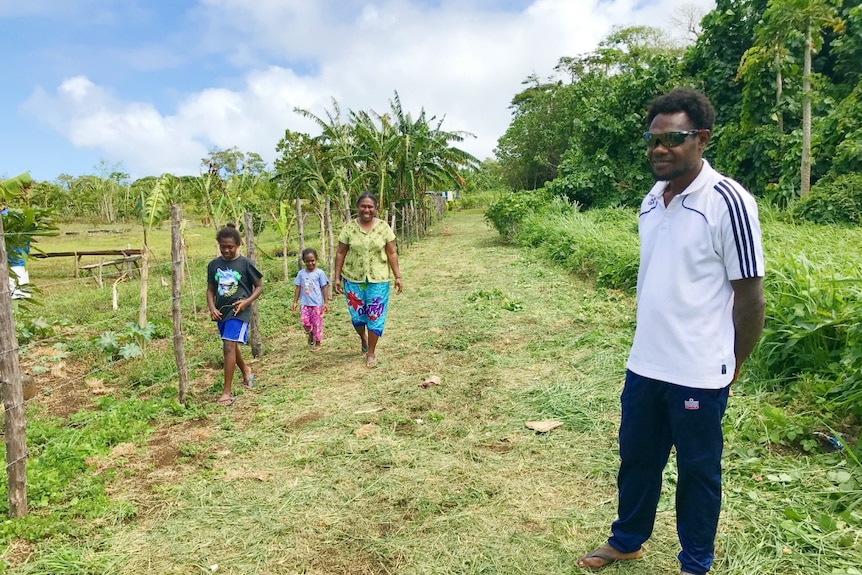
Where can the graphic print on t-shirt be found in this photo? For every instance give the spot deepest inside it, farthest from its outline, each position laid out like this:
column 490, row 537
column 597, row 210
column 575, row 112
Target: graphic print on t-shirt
column 228, row 281
column 308, row 284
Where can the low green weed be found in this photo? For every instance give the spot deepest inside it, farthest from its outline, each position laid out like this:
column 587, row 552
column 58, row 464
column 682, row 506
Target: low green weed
column 127, row 343
column 57, row 483
column 41, row 362
column 481, row 297
column 768, row 424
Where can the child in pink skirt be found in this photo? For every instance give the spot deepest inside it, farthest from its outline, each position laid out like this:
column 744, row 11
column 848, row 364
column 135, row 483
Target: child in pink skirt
column 313, row 294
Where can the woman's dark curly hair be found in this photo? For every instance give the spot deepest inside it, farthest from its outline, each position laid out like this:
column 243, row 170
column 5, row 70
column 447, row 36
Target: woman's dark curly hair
column 697, row 107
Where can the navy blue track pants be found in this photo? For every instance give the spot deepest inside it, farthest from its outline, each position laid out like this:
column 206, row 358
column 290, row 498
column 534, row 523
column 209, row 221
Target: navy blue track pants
column 655, row 416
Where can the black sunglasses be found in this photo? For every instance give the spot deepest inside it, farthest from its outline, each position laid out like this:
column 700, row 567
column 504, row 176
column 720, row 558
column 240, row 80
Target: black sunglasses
column 668, row 139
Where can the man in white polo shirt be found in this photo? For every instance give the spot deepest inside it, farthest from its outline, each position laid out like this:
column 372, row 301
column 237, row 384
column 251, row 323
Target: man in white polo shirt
column 700, row 312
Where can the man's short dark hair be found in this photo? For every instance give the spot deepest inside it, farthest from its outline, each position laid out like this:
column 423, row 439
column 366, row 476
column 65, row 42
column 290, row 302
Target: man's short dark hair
column 697, row 107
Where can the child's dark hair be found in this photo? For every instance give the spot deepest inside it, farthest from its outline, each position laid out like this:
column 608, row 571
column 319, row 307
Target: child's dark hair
column 229, row 231
column 307, row 251
column 368, row 195
column 697, row 107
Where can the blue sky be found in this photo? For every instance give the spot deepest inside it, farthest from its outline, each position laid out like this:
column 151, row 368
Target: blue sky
column 153, row 85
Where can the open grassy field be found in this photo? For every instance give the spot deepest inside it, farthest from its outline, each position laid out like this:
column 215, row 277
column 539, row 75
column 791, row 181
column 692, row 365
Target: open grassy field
column 328, row 467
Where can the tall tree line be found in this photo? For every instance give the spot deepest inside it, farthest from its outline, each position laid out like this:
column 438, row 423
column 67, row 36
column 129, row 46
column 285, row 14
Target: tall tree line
column 784, row 76
column 397, row 155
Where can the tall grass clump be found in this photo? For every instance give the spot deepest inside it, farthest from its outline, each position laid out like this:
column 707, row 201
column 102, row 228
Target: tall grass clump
column 812, row 342
column 814, row 327
column 600, row 244
column 478, row 199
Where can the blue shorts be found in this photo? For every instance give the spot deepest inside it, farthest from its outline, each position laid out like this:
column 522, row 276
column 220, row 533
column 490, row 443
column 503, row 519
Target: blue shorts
column 367, row 303
column 233, row 329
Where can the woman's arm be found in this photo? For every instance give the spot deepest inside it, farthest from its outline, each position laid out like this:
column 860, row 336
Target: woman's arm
column 392, row 258
column 339, row 263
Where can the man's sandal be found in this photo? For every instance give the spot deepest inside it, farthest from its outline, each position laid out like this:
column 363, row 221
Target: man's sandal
column 607, row 555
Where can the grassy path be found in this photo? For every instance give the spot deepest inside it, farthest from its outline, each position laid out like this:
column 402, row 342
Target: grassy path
column 448, row 480
column 331, row 468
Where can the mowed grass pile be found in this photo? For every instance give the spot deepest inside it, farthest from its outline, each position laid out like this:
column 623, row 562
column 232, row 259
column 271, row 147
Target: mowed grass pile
column 328, row 467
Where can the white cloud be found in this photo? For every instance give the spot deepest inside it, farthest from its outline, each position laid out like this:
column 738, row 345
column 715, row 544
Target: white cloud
column 133, row 132
column 455, row 61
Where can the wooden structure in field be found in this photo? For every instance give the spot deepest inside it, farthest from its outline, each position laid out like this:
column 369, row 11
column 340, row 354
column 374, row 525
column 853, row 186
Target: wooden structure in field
column 125, row 261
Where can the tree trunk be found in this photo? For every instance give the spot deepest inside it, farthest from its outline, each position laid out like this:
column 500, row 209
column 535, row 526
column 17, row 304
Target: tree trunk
column 321, row 218
column 779, row 90
column 177, row 258
column 12, row 395
column 330, row 236
column 145, row 276
column 300, row 232
column 805, row 171
column 254, row 327
column 284, row 259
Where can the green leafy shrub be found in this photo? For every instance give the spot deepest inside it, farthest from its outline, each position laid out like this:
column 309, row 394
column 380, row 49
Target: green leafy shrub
column 814, row 326
column 127, row 343
column 753, row 155
column 834, row 201
column 506, row 214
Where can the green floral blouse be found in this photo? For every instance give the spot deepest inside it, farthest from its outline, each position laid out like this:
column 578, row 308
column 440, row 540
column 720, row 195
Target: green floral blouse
column 366, row 256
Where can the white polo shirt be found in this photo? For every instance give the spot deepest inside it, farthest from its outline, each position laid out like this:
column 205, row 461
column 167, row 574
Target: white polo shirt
column 690, row 251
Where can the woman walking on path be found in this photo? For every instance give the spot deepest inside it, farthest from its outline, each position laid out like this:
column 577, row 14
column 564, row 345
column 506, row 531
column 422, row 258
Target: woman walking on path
column 233, row 283
column 366, row 253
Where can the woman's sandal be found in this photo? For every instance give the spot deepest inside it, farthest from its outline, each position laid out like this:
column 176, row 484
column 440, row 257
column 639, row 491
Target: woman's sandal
column 250, row 383
column 370, row 362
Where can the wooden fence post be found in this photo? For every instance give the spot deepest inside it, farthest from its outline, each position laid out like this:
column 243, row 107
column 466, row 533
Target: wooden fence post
column 12, row 395
column 177, row 257
column 254, row 327
column 414, row 223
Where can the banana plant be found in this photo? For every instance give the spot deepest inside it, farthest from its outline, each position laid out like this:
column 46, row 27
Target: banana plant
column 155, row 204
column 22, row 223
column 284, row 223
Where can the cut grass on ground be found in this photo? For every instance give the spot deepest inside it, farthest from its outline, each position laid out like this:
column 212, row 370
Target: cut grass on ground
column 447, row 479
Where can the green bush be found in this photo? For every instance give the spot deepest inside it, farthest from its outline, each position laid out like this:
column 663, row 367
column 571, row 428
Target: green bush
column 834, row 201
column 814, row 327
column 505, row 214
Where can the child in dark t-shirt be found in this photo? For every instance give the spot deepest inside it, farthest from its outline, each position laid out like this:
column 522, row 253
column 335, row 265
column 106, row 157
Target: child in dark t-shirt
column 233, row 283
